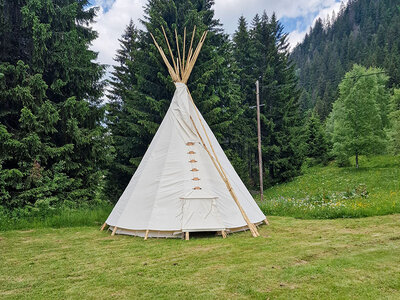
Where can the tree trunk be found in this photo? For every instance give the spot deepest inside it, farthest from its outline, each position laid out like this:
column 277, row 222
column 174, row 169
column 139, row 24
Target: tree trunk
column 356, row 160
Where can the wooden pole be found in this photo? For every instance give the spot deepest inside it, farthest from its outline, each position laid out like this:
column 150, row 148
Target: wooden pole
column 170, row 52
column 191, row 41
column 171, row 71
column 146, row 234
column 184, row 48
column 104, row 226
column 180, row 62
column 187, row 235
column 192, row 59
column 223, row 233
column 114, row 230
column 259, row 140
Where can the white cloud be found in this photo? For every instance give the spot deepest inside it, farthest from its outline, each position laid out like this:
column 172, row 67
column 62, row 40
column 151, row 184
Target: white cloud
column 106, row 4
column 114, row 15
column 228, row 11
column 298, row 35
column 111, row 24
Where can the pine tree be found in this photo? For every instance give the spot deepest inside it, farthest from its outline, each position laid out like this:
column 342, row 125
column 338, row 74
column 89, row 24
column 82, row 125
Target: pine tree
column 358, row 126
column 282, row 150
column 316, row 142
column 27, row 120
column 127, row 115
column 243, row 54
column 54, row 146
column 262, row 54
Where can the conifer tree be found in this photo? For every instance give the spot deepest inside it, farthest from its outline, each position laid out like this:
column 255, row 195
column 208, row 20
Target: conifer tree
column 53, row 143
column 282, row 150
column 128, row 117
column 243, row 54
column 262, row 54
column 316, row 142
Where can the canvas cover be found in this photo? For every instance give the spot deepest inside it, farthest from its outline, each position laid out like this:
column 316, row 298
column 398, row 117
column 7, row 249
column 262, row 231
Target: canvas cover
column 176, row 187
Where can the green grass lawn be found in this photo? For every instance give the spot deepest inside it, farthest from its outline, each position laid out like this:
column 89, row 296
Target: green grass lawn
column 332, row 192
column 292, row 259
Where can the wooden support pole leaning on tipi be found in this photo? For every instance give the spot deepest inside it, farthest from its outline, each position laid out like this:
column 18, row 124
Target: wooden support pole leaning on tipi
column 180, row 71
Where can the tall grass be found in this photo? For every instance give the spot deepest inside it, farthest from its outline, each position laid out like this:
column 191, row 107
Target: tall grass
column 332, row 192
column 56, row 218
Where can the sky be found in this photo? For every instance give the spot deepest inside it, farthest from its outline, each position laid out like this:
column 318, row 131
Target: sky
column 296, row 16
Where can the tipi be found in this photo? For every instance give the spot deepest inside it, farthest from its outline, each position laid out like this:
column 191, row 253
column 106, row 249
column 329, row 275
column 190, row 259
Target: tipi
column 184, row 183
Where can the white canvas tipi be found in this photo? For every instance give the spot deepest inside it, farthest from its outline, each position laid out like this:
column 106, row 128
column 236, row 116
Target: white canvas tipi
column 184, row 183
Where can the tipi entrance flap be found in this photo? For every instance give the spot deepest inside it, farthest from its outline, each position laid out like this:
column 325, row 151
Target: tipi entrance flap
column 200, row 212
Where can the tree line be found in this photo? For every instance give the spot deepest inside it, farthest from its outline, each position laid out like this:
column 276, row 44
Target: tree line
column 61, row 145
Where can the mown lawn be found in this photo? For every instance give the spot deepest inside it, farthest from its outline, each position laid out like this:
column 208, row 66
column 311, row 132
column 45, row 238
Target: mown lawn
column 292, row 259
column 333, row 192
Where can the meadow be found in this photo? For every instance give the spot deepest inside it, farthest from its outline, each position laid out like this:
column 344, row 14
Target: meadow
column 292, row 259
column 327, row 192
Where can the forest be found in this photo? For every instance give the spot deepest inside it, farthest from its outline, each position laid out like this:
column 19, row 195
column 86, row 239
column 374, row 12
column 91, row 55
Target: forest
column 363, row 32
column 335, row 97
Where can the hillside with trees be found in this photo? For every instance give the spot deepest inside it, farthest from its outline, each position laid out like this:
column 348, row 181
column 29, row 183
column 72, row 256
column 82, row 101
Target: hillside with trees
column 365, row 32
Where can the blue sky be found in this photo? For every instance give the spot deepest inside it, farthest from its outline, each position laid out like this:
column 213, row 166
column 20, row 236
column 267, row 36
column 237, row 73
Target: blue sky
column 296, row 16
column 290, row 23
column 301, row 23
